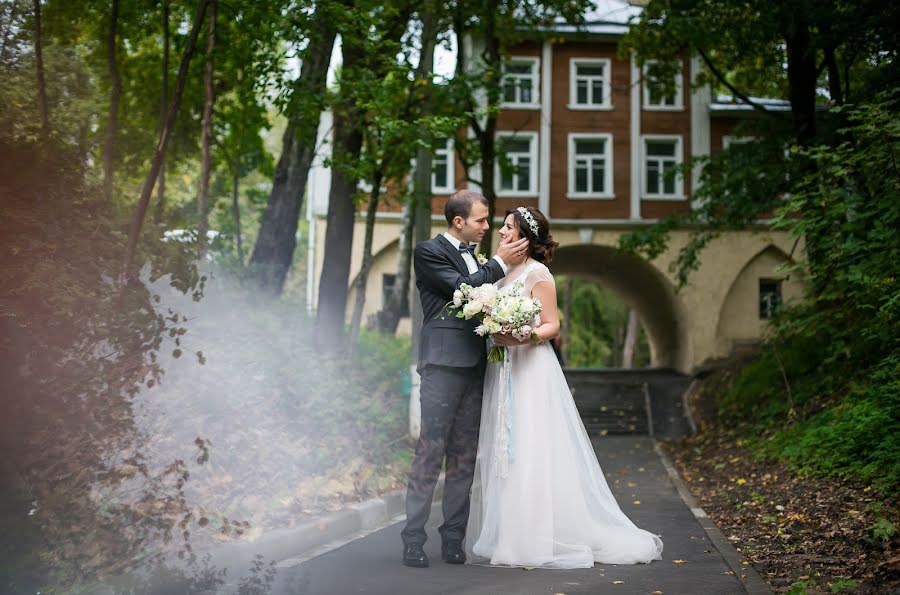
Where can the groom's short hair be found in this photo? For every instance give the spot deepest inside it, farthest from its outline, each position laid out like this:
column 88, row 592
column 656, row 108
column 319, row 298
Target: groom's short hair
column 460, row 204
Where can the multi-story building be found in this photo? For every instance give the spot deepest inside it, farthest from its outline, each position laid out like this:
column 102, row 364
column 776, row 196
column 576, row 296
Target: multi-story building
column 592, row 144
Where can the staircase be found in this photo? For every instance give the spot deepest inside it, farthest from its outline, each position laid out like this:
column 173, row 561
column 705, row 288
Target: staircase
column 646, row 402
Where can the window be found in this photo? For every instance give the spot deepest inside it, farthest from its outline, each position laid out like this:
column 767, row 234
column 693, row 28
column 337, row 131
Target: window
column 769, row 298
column 516, row 171
column 590, row 166
column 520, row 83
column 657, row 97
column 662, row 158
column 443, row 170
column 589, row 86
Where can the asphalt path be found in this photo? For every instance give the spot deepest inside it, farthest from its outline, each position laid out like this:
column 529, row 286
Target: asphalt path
column 691, row 563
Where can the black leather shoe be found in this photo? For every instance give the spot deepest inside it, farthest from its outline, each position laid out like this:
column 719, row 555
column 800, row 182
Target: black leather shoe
column 414, row 556
column 452, row 552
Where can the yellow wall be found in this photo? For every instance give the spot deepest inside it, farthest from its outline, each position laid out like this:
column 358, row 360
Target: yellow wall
column 716, row 310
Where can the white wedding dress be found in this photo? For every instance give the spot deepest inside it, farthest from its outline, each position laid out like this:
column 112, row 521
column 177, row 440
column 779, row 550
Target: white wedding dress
column 539, row 498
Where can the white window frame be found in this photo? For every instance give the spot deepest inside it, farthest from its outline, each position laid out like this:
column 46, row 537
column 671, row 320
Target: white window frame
column 535, row 65
column 679, row 91
column 734, row 139
column 573, row 84
column 450, row 188
column 532, row 191
column 608, row 194
column 679, row 161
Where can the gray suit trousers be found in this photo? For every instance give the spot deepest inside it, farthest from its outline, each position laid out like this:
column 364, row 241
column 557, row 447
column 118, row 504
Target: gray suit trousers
column 451, row 415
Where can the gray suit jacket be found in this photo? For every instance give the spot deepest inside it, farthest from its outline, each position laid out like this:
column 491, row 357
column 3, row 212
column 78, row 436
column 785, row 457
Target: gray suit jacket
column 440, row 270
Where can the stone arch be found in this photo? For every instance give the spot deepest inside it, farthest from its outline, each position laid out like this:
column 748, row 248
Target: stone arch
column 644, row 288
column 734, row 325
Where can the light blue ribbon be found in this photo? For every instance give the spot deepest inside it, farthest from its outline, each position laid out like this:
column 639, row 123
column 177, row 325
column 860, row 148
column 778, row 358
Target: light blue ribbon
column 510, row 406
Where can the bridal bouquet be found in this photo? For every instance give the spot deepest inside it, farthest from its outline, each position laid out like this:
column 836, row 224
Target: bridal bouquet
column 500, row 311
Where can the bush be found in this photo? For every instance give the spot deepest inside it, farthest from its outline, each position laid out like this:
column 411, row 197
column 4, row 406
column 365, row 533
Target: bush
column 141, row 421
column 825, row 392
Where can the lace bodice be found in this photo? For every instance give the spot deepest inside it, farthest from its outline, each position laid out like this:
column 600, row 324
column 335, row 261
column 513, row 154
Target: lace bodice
column 531, row 274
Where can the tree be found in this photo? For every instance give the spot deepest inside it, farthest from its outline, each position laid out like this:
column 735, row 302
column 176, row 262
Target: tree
column 476, row 85
column 418, row 208
column 115, row 95
column 163, row 106
column 791, row 49
column 332, row 302
column 399, row 126
column 483, row 76
column 368, row 53
column 206, row 135
column 596, row 327
column 273, row 253
column 39, row 64
column 137, row 221
column 239, row 145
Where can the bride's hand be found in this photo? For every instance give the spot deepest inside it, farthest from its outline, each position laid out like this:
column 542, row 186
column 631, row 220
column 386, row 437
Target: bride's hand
column 506, row 340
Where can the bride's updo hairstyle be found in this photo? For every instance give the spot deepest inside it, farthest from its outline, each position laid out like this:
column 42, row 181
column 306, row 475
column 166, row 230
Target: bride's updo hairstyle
column 534, row 226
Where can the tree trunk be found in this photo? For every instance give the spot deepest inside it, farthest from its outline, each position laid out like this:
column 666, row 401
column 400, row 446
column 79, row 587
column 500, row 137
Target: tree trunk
column 273, row 253
column 362, row 279
column 420, row 215
column 137, row 221
column 206, row 134
column 332, row 301
column 163, row 106
column 236, row 212
column 801, row 78
column 834, row 77
column 615, row 354
column 416, row 220
column 487, row 139
column 802, row 75
column 566, row 330
column 39, row 61
column 631, row 337
column 115, row 94
column 485, row 134
column 348, row 138
column 488, row 146
column 398, row 298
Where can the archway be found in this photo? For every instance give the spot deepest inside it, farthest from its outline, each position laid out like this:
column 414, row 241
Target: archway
column 642, row 287
column 744, row 314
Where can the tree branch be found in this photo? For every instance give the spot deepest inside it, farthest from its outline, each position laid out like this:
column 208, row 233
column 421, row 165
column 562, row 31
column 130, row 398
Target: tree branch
column 732, row 88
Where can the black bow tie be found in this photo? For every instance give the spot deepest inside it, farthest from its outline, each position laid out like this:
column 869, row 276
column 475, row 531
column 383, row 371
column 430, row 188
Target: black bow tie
column 463, row 248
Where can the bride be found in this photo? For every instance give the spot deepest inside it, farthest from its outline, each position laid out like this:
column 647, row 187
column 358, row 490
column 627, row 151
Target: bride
column 540, row 498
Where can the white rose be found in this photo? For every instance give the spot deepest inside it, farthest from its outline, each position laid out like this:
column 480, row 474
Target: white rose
column 471, row 309
column 457, row 298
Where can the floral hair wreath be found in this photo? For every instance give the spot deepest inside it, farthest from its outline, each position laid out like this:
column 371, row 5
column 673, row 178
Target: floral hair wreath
column 532, row 224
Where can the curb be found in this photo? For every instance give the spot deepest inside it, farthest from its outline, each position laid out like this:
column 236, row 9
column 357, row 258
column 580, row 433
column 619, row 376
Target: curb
column 743, row 570
column 289, row 547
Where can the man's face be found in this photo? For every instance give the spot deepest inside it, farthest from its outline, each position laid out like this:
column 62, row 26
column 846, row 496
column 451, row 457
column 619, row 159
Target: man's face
column 474, row 226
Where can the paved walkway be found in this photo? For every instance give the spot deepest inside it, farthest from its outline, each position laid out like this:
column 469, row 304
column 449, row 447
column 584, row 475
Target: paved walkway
column 692, row 563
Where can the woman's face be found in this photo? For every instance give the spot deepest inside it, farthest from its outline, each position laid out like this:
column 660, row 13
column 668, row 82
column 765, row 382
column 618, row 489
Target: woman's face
column 510, row 230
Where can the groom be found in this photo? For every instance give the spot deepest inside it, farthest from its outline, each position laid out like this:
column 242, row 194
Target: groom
column 451, row 364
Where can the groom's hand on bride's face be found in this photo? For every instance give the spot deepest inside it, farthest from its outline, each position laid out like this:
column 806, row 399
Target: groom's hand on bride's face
column 513, row 253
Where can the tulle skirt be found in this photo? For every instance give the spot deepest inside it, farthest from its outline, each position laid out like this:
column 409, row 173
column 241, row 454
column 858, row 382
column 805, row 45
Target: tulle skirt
column 539, row 498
